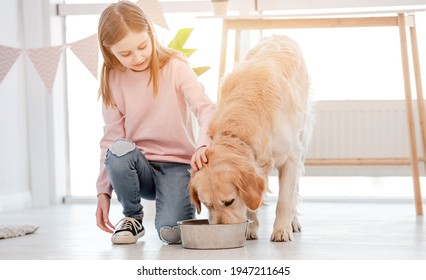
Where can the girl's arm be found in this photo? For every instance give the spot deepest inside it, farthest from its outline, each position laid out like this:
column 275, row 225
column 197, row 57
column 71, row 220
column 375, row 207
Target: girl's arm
column 202, row 107
column 113, row 130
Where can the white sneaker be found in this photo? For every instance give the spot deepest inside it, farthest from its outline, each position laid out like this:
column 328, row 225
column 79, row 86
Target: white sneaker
column 128, row 232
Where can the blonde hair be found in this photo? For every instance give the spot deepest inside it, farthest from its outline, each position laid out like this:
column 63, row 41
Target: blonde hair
column 116, row 21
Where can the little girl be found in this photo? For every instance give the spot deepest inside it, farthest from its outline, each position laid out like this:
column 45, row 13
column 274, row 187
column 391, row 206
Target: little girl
column 148, row 93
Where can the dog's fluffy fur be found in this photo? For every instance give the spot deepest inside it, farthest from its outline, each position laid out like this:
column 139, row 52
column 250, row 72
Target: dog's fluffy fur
column 263, row 120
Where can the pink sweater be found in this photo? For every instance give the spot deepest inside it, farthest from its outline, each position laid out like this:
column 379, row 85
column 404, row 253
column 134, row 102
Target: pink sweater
column 161, row 126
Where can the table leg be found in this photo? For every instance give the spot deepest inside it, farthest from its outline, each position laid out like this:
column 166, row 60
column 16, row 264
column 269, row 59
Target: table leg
column 420, row 97
column 419, row 87
column 410, row 114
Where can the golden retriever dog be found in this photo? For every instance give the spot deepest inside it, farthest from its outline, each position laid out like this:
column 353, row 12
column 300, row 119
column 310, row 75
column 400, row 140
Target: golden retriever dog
column 262, row 121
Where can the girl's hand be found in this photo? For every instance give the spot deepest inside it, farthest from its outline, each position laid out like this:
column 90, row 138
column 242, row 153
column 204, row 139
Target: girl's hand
column 102, row 213
column 199, row 158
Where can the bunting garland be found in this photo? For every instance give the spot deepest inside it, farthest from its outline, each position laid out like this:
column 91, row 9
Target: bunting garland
column 87, row 51
column 154, row 11
column 46, row 60
column 8, row 56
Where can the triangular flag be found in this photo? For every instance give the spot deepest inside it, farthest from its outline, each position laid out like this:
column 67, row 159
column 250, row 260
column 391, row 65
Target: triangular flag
column 87, row 51
column 46, row 61
column 8, row 56
column 153, row 9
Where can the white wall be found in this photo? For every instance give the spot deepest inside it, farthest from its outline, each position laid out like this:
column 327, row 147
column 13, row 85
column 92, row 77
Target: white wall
column 27, row 118
column 14, row 169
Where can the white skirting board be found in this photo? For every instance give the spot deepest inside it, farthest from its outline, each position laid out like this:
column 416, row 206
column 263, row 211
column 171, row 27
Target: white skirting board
column 15, row 201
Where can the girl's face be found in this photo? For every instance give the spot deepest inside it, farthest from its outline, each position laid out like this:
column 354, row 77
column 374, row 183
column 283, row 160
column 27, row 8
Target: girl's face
column 134, row 51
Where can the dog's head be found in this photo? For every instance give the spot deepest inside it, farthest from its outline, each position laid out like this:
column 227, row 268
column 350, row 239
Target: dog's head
column 227, row 185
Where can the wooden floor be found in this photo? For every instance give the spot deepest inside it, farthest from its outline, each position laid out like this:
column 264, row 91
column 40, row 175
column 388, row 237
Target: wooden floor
column 346, row 230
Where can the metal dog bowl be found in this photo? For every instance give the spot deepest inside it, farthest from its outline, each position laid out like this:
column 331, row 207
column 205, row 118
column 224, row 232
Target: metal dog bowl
column 199, row 234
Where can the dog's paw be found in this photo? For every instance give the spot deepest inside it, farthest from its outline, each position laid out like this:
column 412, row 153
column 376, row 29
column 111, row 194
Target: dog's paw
column 252, row 232
column 251, row 235
column 282, row 235
column 296, row 225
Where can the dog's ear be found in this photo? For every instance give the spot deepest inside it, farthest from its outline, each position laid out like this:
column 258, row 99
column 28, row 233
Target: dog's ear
column 193, row 194
column 252, row 188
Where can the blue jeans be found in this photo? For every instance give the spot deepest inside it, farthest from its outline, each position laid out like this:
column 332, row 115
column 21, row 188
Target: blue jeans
column 134, row 177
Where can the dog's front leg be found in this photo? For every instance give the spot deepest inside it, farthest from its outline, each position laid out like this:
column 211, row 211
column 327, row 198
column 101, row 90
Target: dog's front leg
column 253, row 226
column 285, row 212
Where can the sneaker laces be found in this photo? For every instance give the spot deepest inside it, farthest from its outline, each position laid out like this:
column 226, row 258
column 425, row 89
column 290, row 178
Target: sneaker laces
column 128, row 223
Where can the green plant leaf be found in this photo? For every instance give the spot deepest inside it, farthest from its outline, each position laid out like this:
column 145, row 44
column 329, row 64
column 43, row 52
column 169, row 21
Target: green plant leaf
column 180, row 38
column 187, row 52
column 179, row 41
column 201, row 70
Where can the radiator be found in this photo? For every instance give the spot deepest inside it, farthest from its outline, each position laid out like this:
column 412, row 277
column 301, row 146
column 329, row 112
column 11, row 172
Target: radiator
column 360, row 129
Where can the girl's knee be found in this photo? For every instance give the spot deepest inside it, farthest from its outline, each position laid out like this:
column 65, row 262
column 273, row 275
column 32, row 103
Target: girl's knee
column 120, row 155
column 122, row 147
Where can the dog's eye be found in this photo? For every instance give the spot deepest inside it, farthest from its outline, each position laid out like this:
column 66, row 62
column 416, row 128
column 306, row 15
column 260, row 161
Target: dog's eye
column 228, row 203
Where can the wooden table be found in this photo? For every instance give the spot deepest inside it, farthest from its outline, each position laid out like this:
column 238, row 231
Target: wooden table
column 399, row 19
